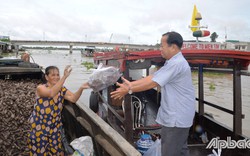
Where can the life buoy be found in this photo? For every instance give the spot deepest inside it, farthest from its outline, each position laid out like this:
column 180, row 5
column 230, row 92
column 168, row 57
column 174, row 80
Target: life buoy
column 201, row 33
column 93, row 101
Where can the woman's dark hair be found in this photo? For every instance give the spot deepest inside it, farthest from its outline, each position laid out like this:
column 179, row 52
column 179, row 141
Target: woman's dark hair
column 174, row 38
column 47, row 71
column 49, row 68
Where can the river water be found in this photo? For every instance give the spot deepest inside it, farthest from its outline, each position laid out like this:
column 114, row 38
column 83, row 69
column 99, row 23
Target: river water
column 218, row 87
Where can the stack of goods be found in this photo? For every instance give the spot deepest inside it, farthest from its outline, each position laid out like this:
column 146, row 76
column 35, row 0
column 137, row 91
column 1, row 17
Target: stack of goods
column 17, row 100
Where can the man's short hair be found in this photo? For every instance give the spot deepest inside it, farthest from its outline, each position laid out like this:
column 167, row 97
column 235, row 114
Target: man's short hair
column 174, row 38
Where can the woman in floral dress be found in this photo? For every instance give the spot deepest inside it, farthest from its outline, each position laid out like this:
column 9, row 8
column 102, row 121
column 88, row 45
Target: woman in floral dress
column 46, row 125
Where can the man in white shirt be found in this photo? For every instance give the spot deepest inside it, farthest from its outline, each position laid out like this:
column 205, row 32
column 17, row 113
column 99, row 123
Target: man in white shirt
column 177, row 108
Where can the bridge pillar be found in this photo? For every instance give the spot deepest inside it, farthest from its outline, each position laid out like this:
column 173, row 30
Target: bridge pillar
column 71, row 48
column 16, row 49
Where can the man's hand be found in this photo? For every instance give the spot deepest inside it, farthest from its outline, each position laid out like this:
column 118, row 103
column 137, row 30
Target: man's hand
column 126, row 82
column 122, row 90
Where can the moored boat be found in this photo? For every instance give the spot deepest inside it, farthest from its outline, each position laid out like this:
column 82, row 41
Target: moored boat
column 130, row 120
column 16, row 68
column 88, row 51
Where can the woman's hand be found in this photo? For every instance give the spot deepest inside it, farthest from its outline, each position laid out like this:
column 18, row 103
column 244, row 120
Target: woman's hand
column 85, row 86
column 73, row 97
column 67, row 70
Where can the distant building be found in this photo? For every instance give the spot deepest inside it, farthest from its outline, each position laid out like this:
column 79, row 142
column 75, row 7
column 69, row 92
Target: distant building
column 236, row 45
column 5, row 45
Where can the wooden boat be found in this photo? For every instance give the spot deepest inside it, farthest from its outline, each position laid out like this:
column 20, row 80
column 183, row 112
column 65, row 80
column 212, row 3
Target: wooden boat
column 117, row 133
column 15, row 68
column 78, row 119
column 88, row 51
column 125, row 120
column 5, row 46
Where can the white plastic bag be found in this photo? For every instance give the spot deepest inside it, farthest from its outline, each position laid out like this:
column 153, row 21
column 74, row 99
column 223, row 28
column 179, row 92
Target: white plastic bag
column 83, row 146
column 102, row 77
column 216, row 153
column 155, row 149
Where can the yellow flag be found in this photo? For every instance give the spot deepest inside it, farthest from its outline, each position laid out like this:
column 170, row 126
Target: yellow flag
column 193, row 21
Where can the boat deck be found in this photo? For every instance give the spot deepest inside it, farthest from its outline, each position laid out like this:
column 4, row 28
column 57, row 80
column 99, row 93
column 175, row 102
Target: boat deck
column 199, row 150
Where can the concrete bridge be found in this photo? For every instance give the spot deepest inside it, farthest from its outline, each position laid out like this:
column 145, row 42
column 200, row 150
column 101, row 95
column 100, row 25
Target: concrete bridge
column 18, row 43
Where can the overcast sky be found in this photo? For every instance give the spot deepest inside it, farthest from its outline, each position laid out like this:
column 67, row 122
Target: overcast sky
column 121, row 21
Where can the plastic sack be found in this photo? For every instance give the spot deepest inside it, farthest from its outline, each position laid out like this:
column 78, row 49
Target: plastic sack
column 216, row 153
column 68, row 149
column 144, row 143
column 102, row 77
column 155, row 149
column 83, row 146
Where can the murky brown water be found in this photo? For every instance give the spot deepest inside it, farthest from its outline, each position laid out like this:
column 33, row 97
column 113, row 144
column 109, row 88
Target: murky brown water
column 217, row 87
